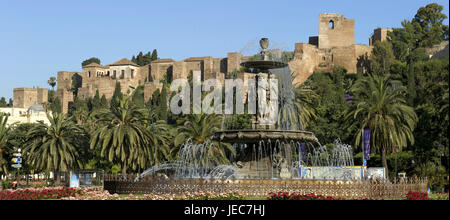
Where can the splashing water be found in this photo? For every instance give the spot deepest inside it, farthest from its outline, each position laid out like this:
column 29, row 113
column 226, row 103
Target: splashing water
column 266, row 159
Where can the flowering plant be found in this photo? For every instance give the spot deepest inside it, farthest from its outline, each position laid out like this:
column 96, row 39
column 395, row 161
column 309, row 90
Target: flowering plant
column 417, row 196
column 39, row 193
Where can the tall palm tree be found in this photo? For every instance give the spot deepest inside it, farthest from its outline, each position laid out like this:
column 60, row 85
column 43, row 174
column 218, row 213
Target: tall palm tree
column 380, row 107
column 4, row 129
column 52, row 82
column 53, row 147
column 159, row 139
column 122, row 135
column 200, row 128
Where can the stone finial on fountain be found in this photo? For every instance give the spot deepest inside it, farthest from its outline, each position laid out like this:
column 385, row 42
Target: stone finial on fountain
column 264, row 43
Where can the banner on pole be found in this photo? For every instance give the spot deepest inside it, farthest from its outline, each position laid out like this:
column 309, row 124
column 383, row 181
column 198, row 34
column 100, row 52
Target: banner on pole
column 366, row 144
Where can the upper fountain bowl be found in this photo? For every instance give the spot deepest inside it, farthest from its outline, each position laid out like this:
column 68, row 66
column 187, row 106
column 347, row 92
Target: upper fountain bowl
column 262, row 66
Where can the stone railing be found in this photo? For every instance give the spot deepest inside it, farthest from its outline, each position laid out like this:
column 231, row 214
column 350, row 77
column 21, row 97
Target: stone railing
column 261, row 188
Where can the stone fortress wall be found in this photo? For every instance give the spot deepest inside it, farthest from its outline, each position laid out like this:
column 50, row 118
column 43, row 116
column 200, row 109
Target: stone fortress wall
column 334, row 45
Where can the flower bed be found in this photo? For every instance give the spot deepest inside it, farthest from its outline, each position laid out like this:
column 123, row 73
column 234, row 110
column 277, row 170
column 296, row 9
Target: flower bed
column 104, row 195
column 417, row 196
column 97, row 193
column 39, row 193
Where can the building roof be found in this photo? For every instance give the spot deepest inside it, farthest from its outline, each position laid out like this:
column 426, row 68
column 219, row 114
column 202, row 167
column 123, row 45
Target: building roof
column 35, row 108
column 123, row 62
column 93, row 65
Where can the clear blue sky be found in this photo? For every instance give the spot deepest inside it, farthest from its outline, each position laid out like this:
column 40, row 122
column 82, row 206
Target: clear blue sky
column 40, row 38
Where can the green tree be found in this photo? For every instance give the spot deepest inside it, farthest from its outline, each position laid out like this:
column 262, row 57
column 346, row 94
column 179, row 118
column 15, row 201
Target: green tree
column 122, row 135
column 200, row 128
column 382, row 109
column 52, row 82
column 160, row 140
column 77, row 82
column 18, row 138
column 154, row 55
column 117, row 96
column 79, row 111
column 326, row 94
column 4, row 130
column 147, row 58
column 163, row 110
column 430, row 29
column 55, row 105
column 138, row 96
column 381, row 58
column 3, row 102
column 140, row 59
column 53, row 147
column 144, row 59
column 90, row 60
column 104, row 102
column 423, row 31
column 96, row 103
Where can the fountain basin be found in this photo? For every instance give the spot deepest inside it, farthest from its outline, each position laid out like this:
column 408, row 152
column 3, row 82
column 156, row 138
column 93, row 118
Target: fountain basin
column 254, row 136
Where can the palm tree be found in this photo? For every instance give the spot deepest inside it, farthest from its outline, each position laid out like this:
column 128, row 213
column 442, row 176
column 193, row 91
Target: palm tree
column 4, row 129
column 52, row 82
column 200, row 128
column 122, row 135
column 304, row 105
column 160, row 137
column 380, row 107
column 53, row 147
column 159, row 141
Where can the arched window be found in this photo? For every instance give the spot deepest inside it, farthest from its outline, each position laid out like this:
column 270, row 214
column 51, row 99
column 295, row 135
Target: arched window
column 331, row 24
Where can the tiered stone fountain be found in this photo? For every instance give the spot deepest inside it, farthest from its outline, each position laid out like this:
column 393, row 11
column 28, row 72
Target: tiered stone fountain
column 265, row 151
column 277, row 151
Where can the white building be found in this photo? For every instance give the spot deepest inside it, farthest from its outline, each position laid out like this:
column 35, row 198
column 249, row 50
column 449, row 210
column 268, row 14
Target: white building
column 33, row 114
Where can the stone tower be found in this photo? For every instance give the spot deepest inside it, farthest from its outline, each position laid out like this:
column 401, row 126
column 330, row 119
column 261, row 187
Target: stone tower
column 26, row 97
column 335, row 31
